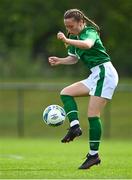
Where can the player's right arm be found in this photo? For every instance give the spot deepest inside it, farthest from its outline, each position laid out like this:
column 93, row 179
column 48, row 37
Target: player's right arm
column 54, row 61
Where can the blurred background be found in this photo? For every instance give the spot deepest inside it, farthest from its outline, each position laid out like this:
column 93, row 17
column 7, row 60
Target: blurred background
column 28, row 84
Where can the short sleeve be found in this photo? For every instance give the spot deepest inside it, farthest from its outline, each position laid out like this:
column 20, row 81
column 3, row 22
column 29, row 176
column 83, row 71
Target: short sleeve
column 89, row 34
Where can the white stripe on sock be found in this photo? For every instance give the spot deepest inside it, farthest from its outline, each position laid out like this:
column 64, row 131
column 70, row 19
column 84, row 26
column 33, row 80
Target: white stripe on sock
column 71, row 112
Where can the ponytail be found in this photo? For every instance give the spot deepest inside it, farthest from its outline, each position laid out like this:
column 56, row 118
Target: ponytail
column 89, row 21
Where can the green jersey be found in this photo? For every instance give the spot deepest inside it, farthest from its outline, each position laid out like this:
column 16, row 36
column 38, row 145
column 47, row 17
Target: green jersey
column 91, row 57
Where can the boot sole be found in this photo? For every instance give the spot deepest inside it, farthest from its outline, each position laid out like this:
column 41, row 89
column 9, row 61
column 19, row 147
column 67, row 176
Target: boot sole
column 85, row 168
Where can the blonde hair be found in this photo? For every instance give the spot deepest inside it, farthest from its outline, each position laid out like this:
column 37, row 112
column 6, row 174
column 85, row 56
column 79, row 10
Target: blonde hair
column 79, row 15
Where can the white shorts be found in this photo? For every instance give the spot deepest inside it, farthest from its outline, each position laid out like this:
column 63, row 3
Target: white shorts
column 102, row 81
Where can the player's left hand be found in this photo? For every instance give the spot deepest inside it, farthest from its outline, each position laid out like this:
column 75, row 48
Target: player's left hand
column 61, row 36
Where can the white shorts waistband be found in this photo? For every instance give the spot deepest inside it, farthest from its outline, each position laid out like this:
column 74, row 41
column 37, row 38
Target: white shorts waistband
column 97, row 67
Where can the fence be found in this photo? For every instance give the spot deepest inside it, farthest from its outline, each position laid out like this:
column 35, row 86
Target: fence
column 20, row 88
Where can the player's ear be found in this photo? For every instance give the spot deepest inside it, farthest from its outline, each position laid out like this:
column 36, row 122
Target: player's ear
column 81, row 21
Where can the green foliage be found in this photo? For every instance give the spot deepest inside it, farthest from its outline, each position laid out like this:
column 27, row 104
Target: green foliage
column 31, row 26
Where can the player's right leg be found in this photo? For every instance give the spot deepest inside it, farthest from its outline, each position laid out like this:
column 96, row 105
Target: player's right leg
column 70, row 106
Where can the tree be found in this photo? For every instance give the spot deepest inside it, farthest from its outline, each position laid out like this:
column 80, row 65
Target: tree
column 30, row 27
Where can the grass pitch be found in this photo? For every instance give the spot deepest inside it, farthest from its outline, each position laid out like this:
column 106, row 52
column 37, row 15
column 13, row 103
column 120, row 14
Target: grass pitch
column 49, row 159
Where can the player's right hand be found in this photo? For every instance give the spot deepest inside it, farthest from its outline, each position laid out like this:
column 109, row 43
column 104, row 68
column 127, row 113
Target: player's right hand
column 54, row 61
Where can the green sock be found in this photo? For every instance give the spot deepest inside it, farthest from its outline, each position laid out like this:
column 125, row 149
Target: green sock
column 70, row 107
column 94, row 132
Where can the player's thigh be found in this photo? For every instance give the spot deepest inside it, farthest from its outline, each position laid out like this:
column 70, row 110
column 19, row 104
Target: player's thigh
column 76, row 89
column 96, row 104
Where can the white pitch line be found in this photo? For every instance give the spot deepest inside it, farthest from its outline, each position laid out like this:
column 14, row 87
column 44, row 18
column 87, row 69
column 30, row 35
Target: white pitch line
column 11, row 156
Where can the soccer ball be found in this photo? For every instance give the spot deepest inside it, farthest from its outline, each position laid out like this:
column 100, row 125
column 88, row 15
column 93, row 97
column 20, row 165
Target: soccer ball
column 54, row 115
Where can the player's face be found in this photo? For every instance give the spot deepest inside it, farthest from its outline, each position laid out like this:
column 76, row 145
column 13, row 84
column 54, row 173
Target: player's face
column 73, row 26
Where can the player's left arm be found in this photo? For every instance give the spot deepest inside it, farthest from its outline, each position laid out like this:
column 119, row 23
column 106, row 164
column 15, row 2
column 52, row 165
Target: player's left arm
column 82, row 44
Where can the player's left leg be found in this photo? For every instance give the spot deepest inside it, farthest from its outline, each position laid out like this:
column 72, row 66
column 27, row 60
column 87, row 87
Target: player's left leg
column 70, row 106
column 104, row 80
column 96, row 104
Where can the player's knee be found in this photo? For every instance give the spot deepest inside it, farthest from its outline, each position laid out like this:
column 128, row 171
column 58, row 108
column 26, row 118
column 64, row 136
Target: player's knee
column 65, row 91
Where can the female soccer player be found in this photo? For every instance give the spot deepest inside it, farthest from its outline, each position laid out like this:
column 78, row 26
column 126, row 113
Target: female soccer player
column 84, row 44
